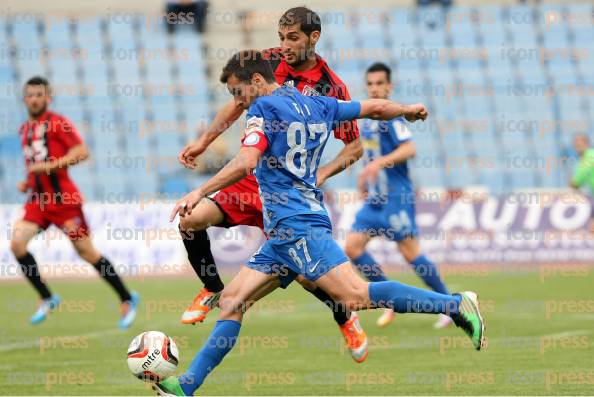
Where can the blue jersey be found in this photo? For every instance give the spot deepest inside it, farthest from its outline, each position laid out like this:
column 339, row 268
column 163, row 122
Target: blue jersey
column 296, row 128
column 380, row 138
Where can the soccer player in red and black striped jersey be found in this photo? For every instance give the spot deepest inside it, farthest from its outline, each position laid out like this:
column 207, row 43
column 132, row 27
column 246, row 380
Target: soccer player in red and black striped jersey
column 51, row 144
column 295, row 63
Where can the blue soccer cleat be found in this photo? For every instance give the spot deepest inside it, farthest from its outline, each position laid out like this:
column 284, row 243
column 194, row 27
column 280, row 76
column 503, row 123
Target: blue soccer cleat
column 128, row 309
column 45, row 308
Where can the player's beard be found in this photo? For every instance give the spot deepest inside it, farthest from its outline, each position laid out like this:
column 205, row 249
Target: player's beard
column 38, row 113
column 304, row 55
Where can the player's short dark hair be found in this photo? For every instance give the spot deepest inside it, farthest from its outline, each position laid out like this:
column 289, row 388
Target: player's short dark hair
column 308, row 20
column 244, row 64
column 38, row 80
column 380, row 67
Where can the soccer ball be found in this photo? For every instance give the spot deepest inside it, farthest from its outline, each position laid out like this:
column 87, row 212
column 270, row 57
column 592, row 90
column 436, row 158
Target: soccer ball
column 152, row 356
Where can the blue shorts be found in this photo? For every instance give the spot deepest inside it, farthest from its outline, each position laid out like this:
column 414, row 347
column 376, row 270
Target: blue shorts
column 299, row 245
column 394, row 219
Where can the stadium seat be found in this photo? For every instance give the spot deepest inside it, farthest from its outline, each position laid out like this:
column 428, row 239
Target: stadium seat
column 157, row 48
column 490, row 26
column 582, row 31
column 402, row 30
column 29, row 50
column 461, row 29
column 94, row 61
column 523, row 32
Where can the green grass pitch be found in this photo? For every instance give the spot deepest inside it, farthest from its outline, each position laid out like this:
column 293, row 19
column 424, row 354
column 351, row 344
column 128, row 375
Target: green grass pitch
column 539, row 329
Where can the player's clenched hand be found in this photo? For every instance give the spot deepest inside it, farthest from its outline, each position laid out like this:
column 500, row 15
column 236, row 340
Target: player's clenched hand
column 362, row 187
column 41, row 167
column 22, row 186
column 415, row 112
column 186, row 204
column 368, row 175
column 189, row 153
column 370, row 172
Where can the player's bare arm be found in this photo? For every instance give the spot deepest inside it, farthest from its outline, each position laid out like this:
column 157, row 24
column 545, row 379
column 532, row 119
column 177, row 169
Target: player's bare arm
column 349, row 155
column 222, row 121
column 383, row 109
column 401, row 154
column 74, row 156
column 238, row 168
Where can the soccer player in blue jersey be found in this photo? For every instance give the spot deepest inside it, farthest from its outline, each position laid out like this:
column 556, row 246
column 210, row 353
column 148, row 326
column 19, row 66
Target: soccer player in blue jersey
column 285, row 135
column 389, row 208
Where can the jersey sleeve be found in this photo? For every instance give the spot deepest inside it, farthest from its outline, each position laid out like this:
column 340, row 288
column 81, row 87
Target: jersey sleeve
column 347, row 131
column 583, row 170
column 67, row 133
column 400, row 131
column 347, row 110
column 255, row 129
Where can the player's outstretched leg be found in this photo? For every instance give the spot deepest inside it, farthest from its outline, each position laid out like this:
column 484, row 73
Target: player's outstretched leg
column 348, row 322
column 245, row 289
column 426, row 270
column 344, row 285
column 22, row 233
column 129, row 299
column 195, row 238
column 367, row 266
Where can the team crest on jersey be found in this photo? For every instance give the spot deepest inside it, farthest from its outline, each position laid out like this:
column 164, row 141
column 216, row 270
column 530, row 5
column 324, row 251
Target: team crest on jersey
column 40, row 130
column 289, row 83
column 310, row 91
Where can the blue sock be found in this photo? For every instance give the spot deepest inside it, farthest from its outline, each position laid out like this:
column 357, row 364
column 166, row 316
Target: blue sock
column 219, row 343
column 369, row 267
column 429, row 273
column 404, row 298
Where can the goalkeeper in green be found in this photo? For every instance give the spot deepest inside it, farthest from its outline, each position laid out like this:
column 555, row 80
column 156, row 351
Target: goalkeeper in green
column 584, row 171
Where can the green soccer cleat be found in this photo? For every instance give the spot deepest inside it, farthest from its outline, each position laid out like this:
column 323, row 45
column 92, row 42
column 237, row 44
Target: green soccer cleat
column 469, row 318
column 169, row 387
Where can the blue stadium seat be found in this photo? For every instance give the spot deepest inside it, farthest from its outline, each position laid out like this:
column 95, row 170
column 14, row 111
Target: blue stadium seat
column 94, row 60
column 431, row 40
column 562, row 70
column 402, row 30
column 524, row 177
column 491, row 28
column 500, row 67
column 196, row 114
column 6, row 70
column 126, row 55
column 462, row 30
column 189, row 58
column 157, row 46
column 335, row 24
column 429, row 170
column 57, row 33
column 571, row 110
column 70, row 107
column 370, row 32
column 29, row 49
column 522, row 29
column 583, row 30
column 175, row 185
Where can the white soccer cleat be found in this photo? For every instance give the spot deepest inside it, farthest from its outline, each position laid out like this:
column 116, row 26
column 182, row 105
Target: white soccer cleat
column 386, row 318
column 443, row 321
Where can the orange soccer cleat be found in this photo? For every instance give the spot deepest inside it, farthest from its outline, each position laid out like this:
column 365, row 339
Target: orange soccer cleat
column 355, row 337
column 201, row 305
